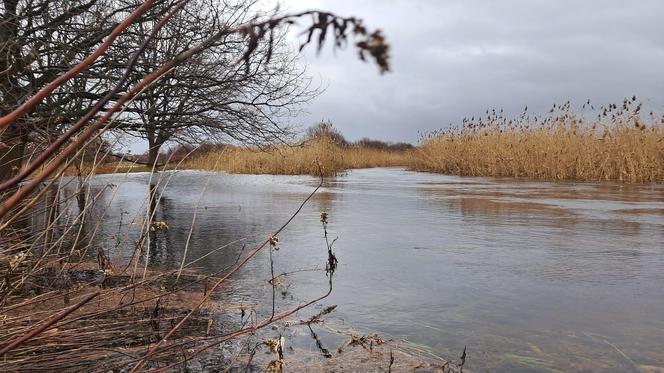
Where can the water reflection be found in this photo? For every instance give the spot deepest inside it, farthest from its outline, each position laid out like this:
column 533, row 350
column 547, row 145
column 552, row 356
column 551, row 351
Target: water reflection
column 530, row 276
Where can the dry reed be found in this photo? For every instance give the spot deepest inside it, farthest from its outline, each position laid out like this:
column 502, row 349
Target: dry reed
column 108, row 168
column 296, row 160
column 618, row 145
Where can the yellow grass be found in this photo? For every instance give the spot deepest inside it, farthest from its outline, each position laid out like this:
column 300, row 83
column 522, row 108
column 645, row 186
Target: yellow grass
column 619, row 145
column 290, row 160
column 107, row 168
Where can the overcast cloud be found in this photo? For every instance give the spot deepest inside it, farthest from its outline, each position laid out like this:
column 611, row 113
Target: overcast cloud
column 456, row 58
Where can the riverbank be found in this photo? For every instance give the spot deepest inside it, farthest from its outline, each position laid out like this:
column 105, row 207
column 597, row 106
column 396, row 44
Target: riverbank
column 102, row 318
column 96, row 315
column 619, row 145
column 314, row 157
column 562, row 147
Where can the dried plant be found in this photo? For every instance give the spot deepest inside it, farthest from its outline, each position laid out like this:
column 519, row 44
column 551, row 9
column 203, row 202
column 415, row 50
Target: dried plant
column 299, row 159
column 618, row 144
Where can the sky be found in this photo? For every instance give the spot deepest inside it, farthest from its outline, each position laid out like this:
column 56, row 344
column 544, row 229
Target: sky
column 456, row 58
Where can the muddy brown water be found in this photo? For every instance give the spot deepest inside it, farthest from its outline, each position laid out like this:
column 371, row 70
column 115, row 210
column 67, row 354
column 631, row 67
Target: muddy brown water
column 530, row 276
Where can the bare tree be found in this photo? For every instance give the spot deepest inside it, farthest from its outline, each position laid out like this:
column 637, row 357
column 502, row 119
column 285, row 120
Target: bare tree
column 81, row 323
column 206, row 93
column 325, row 129
column 255, row 34
column 39, row 40
column 211, row 96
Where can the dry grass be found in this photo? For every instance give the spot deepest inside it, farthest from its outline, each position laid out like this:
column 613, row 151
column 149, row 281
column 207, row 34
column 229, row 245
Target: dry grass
column 107, row 168
column 297, row 160
column 128, row 315
column 619, row 145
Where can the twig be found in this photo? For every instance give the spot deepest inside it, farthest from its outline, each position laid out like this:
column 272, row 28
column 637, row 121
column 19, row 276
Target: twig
column 221, row 281
column 47, row 324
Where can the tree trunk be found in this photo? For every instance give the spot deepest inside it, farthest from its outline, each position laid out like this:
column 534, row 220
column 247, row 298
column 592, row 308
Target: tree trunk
column 153, row 154
column 154, row 145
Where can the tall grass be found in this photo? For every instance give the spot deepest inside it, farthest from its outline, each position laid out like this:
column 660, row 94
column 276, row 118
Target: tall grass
column 315, row 156
column 618, row 145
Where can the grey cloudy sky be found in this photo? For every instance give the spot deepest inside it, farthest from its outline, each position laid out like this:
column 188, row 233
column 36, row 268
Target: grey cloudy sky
column 456, row 58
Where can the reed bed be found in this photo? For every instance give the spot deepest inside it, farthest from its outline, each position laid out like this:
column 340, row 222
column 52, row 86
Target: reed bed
column 108, row 168
column 313, row 157
column 122, row 317
column 618, row 144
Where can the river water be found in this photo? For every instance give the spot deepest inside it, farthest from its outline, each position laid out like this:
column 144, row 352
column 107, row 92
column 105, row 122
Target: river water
column 530, row 276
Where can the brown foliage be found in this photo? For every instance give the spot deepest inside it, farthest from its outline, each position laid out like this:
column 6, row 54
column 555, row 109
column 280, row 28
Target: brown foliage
column 619, row 145
column 296, row 160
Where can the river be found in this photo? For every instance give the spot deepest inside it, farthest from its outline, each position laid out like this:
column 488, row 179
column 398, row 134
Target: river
column 529, row 276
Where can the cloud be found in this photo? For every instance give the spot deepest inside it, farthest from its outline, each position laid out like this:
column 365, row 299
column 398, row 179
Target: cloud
column 456, row 58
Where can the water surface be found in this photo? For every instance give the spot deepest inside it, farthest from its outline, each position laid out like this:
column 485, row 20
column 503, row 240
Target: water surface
column 530, row 276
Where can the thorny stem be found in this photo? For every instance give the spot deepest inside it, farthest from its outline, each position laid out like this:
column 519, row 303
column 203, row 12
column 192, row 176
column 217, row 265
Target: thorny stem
column 273, row 317
column 221, row 281
column 274, row 283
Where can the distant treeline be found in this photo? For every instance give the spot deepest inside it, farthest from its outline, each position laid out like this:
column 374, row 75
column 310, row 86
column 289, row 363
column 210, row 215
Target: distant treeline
column 324, row 129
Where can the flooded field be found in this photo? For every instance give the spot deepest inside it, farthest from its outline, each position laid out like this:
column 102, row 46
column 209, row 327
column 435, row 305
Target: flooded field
column 530, row 276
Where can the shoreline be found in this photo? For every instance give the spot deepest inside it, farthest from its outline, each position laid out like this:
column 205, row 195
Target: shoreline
column 130, row 315
column 109, row 169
